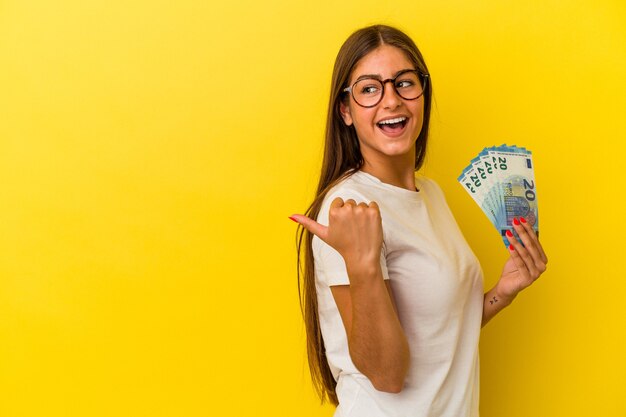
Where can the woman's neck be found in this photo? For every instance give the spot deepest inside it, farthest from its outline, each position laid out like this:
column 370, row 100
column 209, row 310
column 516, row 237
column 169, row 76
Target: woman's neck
column 399, row 172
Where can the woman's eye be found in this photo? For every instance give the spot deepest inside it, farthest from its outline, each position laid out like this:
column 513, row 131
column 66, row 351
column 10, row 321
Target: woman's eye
column 404, row 84
column 369, row 89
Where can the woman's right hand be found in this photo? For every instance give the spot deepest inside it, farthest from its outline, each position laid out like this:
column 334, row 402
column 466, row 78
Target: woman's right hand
column 354, row 230
column 376, row 341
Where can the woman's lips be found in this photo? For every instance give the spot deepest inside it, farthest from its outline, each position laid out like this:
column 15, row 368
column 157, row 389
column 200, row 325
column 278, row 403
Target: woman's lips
column 393, row 129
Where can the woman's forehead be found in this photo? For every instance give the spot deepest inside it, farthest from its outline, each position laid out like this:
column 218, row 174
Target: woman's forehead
column 384, row 61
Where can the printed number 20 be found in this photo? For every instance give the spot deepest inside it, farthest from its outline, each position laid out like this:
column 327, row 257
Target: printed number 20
column 529, row 187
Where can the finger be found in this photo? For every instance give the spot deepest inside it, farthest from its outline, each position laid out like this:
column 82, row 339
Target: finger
column 519, row 262
column 311, row 225
column 350, row 202
column 374, row 210
column 337, row 202
column 362, row 204
column 522, row 253
column 532, row 233
column 530, row 243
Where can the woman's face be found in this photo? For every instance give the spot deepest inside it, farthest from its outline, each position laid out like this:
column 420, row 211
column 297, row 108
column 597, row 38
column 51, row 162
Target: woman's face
column 382, row 140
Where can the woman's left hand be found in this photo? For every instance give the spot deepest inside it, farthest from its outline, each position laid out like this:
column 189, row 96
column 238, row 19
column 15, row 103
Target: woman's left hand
column 526, row 263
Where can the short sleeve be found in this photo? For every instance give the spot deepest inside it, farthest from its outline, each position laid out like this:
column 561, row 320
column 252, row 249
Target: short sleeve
column 330, row 267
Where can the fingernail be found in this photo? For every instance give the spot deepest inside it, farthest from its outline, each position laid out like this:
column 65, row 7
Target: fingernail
column 291, row 217
column 515, row 221
column 511, row 248
column 509, row 234
column 522, row 219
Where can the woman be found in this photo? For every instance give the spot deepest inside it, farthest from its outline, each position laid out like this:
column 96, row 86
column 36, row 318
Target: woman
column 392, row 294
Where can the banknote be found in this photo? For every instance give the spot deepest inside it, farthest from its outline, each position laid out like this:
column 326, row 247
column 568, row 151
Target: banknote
column 501, row 180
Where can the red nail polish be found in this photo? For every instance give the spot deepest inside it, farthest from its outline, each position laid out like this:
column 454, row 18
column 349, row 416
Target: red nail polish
column 511, row 248
column 515, row 221
column 509, row 234
column 522, row 219
column 293, row 219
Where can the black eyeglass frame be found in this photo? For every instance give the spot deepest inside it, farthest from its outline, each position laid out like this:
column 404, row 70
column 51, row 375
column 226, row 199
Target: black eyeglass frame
column 422, row 77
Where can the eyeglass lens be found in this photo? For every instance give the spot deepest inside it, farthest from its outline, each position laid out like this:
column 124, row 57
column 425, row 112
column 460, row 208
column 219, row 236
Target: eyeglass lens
column 368, row 91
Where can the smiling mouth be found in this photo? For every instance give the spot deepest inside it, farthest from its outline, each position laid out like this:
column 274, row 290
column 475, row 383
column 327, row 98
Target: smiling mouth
column 392, row 125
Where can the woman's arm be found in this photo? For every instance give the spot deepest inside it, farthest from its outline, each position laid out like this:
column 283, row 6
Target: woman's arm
column 493, row 303
column 377, row 344
column 526, row 263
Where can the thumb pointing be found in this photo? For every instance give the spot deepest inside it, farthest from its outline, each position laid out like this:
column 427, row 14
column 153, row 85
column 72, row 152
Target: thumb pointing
column 311, row 225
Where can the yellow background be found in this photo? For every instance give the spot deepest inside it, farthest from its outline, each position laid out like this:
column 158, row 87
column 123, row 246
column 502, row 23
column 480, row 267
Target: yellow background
column 151, row 151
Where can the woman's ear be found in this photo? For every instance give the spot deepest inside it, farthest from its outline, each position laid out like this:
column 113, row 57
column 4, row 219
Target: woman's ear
column 344, row 109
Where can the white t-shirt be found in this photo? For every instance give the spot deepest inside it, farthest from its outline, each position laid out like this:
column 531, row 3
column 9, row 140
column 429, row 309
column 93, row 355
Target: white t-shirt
column 437, row 284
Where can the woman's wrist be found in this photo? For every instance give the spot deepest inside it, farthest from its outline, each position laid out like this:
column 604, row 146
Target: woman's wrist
column 504, row 297
column 494, row 301
column 364, row 271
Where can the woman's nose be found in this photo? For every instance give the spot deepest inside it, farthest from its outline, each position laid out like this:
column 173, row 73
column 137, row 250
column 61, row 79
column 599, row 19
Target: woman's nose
column 390, row 99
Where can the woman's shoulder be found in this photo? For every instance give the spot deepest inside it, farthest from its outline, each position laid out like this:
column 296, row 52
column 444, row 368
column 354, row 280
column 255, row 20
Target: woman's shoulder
column 425, row 183
column 430, row 190
column 352, row 186
column 361, row 186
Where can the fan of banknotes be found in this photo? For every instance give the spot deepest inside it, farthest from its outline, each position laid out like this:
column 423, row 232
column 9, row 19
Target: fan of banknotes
column 501, row 180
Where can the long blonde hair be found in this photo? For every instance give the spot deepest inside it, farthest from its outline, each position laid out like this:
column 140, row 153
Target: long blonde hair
column 342, row 158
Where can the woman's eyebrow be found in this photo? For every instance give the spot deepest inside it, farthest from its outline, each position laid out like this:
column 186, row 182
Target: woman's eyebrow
column 379, row 77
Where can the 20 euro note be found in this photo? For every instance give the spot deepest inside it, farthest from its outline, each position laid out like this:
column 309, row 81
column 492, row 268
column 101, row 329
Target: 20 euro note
column 477, row 188
column 501, row 181
column 519, row 193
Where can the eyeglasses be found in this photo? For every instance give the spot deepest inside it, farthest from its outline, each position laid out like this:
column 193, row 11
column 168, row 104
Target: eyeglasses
column 368, row 92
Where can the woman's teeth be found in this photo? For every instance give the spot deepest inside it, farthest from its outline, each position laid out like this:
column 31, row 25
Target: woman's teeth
column 392, row 125
column 392, row 121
